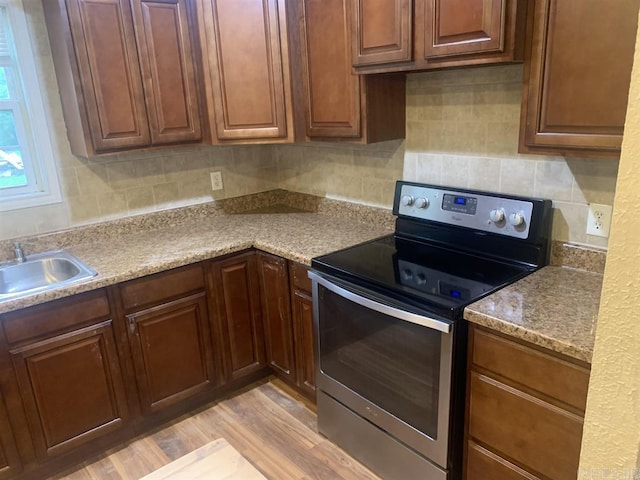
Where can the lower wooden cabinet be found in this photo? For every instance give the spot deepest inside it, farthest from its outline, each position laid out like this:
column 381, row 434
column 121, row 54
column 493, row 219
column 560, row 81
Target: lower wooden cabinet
column 278, row 329
column 288, row 321
column 71, row 383
column 81, row 373
column 170, row 338
column 238, row 316
column 525, row 411
column 10, row 464
column 302, row 316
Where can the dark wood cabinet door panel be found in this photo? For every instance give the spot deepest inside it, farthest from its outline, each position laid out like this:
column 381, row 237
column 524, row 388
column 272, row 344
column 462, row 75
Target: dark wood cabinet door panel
column 105, row 46
column 577, row 76
column 532, row 433
column 382, row 31
column 172, row 351
column 167, row 61
column 485, row 465
column 238, row 314
column 302, row 311
column 462, row 27
column 248, row 68
column 10, row 463
column 276, row 311
column 332, row 91
column 72, row 388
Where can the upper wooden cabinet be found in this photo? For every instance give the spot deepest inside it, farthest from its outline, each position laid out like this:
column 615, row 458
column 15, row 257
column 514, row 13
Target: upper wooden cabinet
column 382, row 31
column 246, row 65
column 577, row 73
column 339, row 105
column 103, row 49
column 400, row 35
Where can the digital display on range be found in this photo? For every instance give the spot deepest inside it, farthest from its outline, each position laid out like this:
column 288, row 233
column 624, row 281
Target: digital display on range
column 459, row 204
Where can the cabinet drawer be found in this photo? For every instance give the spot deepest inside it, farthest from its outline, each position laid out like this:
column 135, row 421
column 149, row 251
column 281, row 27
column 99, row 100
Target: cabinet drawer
column 547, row 374
column 299, row 277
column 485, row 465
column 526, row 430
column 41, row 320
column 162, row 286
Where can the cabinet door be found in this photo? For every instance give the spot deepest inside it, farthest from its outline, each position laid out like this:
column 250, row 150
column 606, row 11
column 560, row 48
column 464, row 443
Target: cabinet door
column 577, row 76
column 248, row 82
column 462, row 27
column 382, row 31
column 274, row 289
column 167, row 61
column 107, row 62
column 332, row 91
column 238, row 317
column 172, row 351
column 302, row 309
column 9, row 460
column 72, row 388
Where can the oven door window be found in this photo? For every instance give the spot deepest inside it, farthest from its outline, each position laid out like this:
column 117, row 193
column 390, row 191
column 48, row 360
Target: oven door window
column 390, row 362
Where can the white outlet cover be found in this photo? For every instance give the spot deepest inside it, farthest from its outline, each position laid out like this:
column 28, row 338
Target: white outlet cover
column 216, row 180
column 599, row 220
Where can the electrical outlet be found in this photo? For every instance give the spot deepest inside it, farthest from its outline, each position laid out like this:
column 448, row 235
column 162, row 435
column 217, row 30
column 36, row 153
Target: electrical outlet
column 216, row 181
column 599, row 220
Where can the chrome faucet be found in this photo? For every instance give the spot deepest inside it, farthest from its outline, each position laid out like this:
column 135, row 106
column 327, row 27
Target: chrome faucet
column 19, row 253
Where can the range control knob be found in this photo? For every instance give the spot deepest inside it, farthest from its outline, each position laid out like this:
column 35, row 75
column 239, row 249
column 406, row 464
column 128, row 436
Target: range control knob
column 497, row 215
column 422, row 202
column 421, row 279
column 407, row 200
column 516, row 219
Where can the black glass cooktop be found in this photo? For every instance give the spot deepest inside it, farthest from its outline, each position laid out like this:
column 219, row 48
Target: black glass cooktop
column 428, row 276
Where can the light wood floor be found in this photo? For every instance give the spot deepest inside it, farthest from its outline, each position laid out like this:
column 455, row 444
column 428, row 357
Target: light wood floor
column 272, row 429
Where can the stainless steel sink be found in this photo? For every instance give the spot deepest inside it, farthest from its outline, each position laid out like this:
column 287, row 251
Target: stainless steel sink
column 41, row 272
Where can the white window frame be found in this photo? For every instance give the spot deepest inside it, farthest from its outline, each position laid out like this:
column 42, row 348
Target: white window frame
column 31, row 121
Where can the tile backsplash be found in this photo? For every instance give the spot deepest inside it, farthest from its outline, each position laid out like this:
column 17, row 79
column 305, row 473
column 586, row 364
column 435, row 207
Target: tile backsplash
column 462, row 130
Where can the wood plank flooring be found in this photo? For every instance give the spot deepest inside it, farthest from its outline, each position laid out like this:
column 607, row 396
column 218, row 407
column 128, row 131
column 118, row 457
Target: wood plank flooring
column 269, row 425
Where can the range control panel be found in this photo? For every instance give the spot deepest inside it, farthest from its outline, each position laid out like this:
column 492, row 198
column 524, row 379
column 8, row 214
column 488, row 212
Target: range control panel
column 480, row 211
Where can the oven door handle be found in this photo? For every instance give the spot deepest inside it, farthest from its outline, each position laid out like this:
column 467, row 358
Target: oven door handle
column 381, row 307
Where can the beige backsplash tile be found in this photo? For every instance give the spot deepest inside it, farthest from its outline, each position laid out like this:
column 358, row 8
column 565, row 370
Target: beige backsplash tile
column 553, row 180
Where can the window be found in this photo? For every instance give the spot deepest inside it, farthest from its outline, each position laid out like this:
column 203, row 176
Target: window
column 27, row 169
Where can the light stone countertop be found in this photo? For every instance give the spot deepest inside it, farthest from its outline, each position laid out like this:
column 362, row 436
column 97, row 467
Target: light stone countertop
column 555, row 308
column 295, row 236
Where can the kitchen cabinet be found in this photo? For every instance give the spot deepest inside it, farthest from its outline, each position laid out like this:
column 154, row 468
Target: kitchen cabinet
column 168, row 328
column 10, row 464
column 302, row 317
column 66, row 362
column 238, row 316
column 525, row 410
column 400, row 35
column 246, row 65
column 339, row 105
column 125, row 75
column 287, row 310
column 276, row 312
column 576, row 78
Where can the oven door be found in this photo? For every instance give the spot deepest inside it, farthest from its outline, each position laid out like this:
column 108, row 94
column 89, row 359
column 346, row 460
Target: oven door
column 386, row 362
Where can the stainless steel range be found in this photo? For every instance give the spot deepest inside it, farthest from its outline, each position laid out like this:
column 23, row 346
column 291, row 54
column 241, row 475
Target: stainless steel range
column 391, row 341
